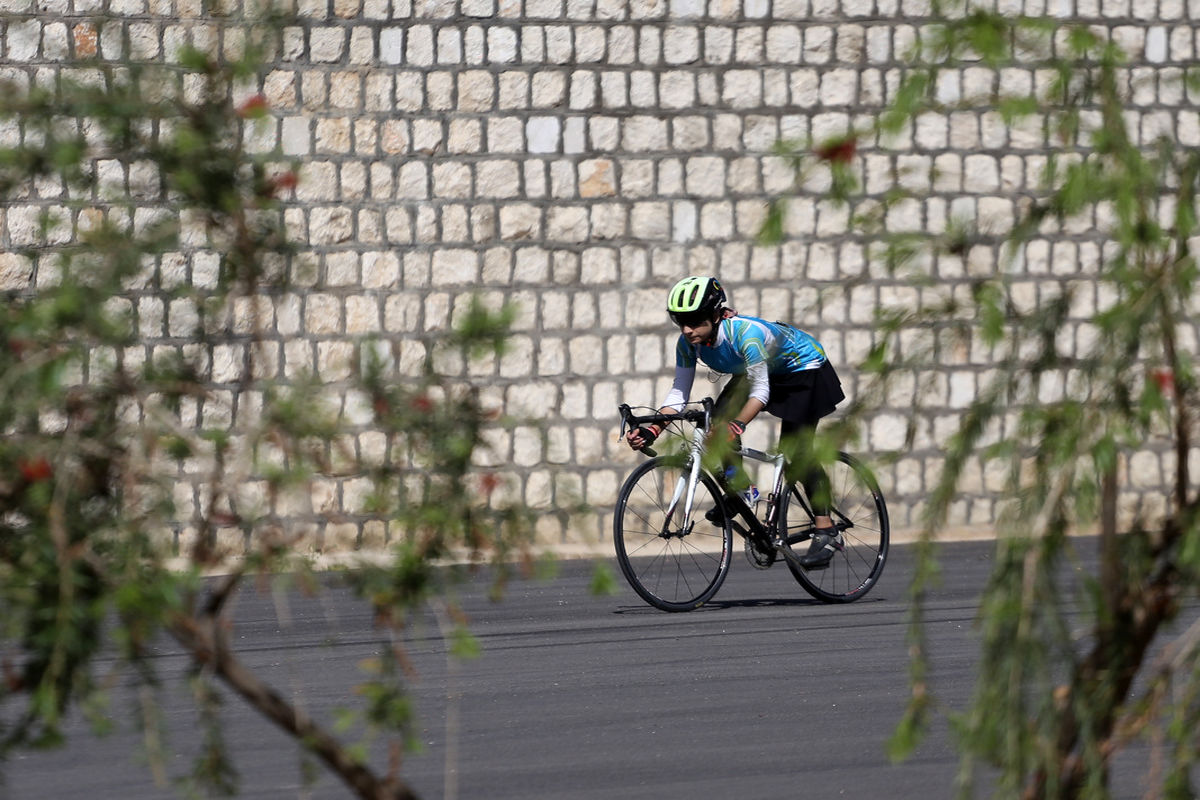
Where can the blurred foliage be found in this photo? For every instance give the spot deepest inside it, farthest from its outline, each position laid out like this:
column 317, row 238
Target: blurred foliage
column 150, row 166
column 1087, row 367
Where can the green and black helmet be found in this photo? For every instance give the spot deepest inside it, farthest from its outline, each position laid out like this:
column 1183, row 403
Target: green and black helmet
column 694, row 299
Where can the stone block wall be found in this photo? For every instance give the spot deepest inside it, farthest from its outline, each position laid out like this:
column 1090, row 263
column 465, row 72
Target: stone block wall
column 576, row 157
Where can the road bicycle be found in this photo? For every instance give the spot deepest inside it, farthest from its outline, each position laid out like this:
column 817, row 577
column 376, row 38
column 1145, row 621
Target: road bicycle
column 675, row 518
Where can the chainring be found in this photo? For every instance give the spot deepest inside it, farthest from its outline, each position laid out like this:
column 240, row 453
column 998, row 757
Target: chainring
column 758, row 558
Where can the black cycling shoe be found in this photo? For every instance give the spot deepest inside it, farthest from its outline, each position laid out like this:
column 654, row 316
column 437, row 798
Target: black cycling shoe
column 715, row 515
column 825, row 542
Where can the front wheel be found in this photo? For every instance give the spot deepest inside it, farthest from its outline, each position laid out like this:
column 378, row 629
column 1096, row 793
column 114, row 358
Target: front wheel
column 861, row 517
column 673, row 563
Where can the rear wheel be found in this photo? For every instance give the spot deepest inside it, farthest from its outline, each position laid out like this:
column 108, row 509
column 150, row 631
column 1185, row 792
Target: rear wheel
column 860, row 515
column 673, row 563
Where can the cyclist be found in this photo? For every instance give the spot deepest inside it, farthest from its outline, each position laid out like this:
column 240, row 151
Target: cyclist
column 773, row 367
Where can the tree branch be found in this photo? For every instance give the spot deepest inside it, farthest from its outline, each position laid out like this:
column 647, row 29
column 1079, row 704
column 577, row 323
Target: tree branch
column 208, row 643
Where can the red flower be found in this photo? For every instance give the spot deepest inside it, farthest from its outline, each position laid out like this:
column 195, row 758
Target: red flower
column 34, row 470
column 1165, row 378
column 488, row 482
column 18, row 347
column 254, row 107
column 839, row 151
column 287, row 180
column 422, row 403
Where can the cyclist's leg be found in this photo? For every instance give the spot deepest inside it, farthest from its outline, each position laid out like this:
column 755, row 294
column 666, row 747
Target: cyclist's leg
column 810, row 398
column 796, row 442
column 729, row 402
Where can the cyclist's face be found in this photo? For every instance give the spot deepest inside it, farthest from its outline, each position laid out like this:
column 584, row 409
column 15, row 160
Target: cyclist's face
column 697, row 331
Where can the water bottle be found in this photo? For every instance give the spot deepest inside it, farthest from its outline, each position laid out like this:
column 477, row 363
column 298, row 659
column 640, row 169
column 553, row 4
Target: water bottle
column 751, row 498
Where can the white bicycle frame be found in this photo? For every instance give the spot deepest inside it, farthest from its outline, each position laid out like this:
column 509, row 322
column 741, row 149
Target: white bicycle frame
column 685, row 488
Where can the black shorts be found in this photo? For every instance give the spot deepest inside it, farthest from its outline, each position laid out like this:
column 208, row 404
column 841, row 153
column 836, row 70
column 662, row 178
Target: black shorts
column 798, row 398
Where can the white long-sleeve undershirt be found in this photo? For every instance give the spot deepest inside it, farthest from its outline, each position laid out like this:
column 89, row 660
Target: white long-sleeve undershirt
column 681, row 389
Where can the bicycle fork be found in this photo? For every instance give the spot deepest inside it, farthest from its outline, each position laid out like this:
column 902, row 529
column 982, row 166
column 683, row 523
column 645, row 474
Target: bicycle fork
column 685, row 491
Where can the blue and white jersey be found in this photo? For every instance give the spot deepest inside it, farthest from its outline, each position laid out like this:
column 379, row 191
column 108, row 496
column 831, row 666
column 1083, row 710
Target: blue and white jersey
column 746, row 346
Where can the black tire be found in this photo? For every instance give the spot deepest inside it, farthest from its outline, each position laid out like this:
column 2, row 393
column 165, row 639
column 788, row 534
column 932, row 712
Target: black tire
column 674, row 567
column 860, row 514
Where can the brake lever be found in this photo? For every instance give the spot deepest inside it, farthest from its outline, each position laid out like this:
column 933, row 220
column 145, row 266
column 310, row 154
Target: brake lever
column 624, row 410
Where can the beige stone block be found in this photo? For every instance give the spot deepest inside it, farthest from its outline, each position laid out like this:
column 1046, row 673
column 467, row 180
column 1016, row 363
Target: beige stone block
column 530, row 399
column 520, row 221
column 981, row 174
column 599, row 265
column 398, row 226
column 476, row 91
column 16, row 271
column 362, row 315
column 643, row 133
column 562, row 179
column 551, row 357
column 742, row 88
column 748, row 45
column 327, row 45
column 651, row 220
column 539, row 494
column 497, row 179
column 513, row 91
column 322, row 314
column 567, row 224
column 402, row 312
column 543, row 134
column 353, row 182
column 455, row 267
column 681, row 44
column 596, row 178
column 705, row 176
column 601, row 486
column 413, row 181
column 449, row 46
column 649, row 46
column 518, row 361
column 559, row 49
column 452, row 180
column 419, row 49
column 374, row 535
column 331, row 225
column 338, row 537
column 439, row 91
column 335, row 360
column 505, row 135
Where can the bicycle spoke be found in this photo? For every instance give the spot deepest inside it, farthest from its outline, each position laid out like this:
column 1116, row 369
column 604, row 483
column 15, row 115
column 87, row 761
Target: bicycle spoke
column 678, row 564
column 860, row 516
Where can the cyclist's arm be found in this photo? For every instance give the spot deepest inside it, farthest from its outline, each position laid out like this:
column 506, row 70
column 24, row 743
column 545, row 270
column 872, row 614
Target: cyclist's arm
column 749, row 411
column 681, row 390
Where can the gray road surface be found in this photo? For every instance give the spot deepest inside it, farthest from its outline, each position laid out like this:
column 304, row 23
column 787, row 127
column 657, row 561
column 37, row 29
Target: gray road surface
column 761, row 694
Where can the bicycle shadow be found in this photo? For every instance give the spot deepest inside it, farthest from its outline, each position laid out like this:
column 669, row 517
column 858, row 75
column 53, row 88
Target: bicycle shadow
column 721, row 605
column 748, row 602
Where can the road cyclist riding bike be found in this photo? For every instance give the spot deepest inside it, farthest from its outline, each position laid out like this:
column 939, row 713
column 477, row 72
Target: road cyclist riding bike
column 784, row 371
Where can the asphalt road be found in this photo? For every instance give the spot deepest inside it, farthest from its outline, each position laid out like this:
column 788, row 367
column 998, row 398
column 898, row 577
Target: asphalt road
column 761, row 694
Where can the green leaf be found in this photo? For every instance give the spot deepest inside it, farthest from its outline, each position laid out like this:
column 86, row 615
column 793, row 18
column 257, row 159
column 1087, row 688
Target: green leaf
column 1013, row 109
column 603, row 581
column 771, row 231
column 910, row 731
column 463, row 645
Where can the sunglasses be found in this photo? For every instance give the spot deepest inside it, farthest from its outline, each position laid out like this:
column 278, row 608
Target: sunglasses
column 691, row 319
